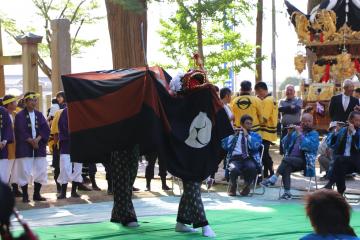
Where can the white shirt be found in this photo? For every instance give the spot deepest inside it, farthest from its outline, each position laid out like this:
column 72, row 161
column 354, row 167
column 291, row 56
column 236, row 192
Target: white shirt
column 345, row 101
column 32, row 120
column 11, row 117
column 237, row 149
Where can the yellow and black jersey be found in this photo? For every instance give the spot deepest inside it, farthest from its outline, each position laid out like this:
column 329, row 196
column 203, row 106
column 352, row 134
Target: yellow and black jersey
column 247, row 104
column 269, row 112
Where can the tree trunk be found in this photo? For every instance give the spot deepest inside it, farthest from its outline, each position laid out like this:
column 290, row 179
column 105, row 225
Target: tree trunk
column 311, row 57
column 200, row 34
column 259, row 32
column 2, row 74
column 125, row 35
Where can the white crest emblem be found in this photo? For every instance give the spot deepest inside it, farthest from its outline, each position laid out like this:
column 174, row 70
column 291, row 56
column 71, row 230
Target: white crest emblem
column 199, row 132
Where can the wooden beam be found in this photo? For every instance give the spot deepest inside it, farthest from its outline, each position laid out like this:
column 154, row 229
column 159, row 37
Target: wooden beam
column 10, row 60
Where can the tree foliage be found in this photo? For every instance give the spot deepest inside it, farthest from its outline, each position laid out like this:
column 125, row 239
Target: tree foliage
column 290, row 80
column 79, row 13
column 222, row 46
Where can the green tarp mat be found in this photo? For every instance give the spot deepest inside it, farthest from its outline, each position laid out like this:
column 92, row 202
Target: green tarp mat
column 281, row 221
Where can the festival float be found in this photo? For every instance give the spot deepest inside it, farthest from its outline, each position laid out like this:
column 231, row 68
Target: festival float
column 331, row 36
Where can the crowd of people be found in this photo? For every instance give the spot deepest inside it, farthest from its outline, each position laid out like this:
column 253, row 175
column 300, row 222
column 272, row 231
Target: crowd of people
column 255, row 119
column 26, row 133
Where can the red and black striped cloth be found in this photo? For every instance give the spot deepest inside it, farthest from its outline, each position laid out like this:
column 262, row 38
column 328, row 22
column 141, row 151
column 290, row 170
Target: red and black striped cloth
column 109, row 110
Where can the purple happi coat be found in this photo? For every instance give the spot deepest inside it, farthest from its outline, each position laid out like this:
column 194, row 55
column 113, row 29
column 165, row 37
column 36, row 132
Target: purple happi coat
column 64, row 138
column 23, row 131
column 6, row 131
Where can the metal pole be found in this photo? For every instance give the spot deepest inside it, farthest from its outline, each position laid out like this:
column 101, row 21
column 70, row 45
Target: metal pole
column 273, row 54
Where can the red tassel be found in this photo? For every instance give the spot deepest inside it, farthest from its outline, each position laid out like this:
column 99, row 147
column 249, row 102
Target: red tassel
column 321, row 37
column 326, row 77
column 357, row 65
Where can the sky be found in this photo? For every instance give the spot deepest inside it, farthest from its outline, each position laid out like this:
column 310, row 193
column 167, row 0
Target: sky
column 99, row 56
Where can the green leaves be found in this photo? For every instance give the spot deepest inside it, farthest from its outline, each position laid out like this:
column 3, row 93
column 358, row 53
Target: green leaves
column 219, row 18
column 78, row 12
column 131, row 5
column 290, row 80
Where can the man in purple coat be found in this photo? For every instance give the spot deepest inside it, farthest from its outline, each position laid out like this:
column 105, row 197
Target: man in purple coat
column 68, row 172
column 6, row 136
column 31, row 134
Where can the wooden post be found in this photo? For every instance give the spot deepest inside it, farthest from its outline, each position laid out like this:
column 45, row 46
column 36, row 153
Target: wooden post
column 60, row 52
column 29, row 43
column 41, row 99
column 47, row 101
column 2, row 74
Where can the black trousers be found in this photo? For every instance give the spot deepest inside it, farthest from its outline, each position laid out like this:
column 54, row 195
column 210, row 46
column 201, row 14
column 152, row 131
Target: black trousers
column 56, row 161
column 284, row 131
column 247, row 168
column 89, row 169
column 107, row 167
column 149, row 170
column 191, row 208
column 124, row 165
column 342, row 166
column 289, row 165
column 267, row 160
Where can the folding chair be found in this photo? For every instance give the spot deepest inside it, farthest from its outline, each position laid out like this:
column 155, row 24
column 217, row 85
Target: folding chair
column 308, row 189
column 261, row 174
column 256, row 179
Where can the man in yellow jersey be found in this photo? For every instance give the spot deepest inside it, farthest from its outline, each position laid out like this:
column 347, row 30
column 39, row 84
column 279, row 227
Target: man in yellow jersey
column 246, row 104
column 268, row 126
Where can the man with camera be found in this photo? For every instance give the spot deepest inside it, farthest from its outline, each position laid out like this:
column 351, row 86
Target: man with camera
column 243, row 156
column 346, row 145
column 300, row 147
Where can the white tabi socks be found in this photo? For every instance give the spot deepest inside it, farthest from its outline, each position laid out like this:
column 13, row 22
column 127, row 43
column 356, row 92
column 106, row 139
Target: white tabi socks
column 208, row 232
column 180, row 227
column 133, row 224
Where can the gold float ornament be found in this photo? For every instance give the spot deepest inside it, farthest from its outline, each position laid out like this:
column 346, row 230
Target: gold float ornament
column 300, row 63
column 320, row 92
column 344, row 67
column 344, row 33
column 302, row 27
column 355, row 35
column 318, row 71
column 325, row 22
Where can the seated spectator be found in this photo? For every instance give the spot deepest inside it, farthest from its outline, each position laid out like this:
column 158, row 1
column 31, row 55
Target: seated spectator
column 346, row 146
column 325, row 152
column 300, row 146
column 329, row 215
column 243, row 155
